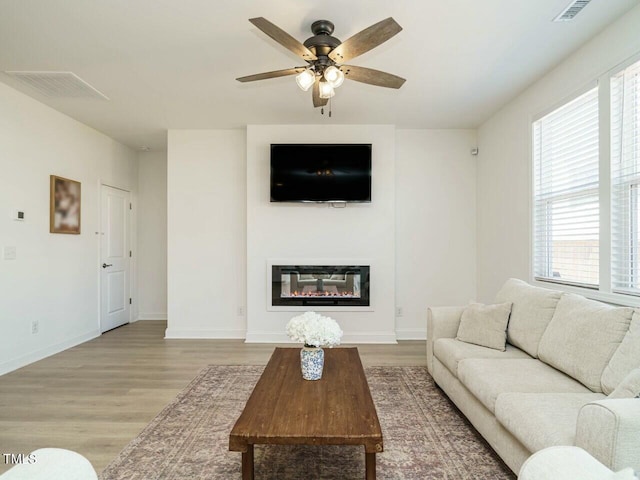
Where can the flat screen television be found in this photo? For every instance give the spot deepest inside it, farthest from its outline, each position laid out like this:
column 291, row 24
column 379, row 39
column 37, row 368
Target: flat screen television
column 321, row 172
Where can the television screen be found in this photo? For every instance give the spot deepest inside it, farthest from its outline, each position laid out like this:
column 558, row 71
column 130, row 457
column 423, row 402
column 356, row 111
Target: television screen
column 321, row 173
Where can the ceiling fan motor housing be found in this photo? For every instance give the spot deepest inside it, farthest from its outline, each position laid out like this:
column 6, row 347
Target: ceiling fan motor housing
column 322, row 42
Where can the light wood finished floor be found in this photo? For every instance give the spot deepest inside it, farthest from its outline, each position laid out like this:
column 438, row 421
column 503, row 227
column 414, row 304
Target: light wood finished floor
column 96, row 397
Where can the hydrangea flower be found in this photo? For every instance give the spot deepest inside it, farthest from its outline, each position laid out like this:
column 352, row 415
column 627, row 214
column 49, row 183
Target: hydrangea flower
column 315, row 330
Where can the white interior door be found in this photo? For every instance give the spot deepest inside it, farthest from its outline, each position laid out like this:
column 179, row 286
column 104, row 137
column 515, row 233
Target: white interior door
column 114, row 252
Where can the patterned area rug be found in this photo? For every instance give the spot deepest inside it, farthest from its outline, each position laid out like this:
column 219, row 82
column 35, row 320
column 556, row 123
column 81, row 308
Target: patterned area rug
column 425, row 437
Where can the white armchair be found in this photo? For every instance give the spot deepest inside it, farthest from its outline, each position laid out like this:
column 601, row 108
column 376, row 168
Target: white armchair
column 52, row 464
column 568, row 463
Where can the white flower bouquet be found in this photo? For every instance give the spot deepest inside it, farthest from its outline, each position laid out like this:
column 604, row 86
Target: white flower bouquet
column 314, row 330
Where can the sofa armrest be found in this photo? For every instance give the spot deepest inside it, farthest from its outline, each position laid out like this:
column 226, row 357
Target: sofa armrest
column 442, row 322
column 562, row 463
column 608, row 429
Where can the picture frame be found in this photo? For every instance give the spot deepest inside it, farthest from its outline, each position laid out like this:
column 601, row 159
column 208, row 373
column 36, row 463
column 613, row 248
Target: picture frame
column 64, row 205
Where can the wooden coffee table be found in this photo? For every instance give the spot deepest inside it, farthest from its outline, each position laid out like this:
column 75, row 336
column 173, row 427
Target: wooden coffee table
column 285, row 409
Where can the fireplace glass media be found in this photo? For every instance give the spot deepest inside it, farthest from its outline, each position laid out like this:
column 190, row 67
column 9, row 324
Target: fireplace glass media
column 320, row 285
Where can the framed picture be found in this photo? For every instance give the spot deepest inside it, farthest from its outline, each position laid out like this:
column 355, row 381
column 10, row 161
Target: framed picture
column 64, row 213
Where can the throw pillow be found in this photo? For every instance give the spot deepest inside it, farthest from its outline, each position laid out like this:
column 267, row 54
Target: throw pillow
column 629, row 387
column 485, row 325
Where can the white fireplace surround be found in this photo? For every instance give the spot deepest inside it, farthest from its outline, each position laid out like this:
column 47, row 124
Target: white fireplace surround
column 318, row 261
column 295, row 232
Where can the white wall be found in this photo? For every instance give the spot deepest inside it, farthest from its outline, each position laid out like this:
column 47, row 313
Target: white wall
column 435, row 224
column 55, row 278
column 420, row 227
column 206, row 196
column 151, row 251
column 317, row 231
column 504, row 178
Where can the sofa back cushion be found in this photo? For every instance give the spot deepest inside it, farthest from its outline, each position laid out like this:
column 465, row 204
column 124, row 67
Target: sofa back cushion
column 625, row 358
column 582, row 337
column 531, row 311
column 629, row 387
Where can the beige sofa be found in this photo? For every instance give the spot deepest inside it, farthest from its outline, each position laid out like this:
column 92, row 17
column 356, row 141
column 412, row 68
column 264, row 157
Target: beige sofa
column 566, row 360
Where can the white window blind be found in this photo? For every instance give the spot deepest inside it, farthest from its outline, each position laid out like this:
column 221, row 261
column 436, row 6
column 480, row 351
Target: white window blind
column 566, row 207
column 625, row 180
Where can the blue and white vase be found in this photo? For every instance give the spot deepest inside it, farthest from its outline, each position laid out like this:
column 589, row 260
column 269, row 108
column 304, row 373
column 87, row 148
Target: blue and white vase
column 312, row 362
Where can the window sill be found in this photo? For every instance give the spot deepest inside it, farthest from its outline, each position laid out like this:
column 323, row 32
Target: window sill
column 606, row 297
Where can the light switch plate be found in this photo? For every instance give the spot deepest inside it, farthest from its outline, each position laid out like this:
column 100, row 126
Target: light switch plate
column 10, row 253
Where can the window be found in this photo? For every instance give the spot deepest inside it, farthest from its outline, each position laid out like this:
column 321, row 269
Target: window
column 566, row 212
column 625, row 180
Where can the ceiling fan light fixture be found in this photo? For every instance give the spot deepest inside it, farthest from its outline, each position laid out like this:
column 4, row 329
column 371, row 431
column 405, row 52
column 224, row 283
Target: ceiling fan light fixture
column 306, row 79
column 326, row 90
column 334, row 76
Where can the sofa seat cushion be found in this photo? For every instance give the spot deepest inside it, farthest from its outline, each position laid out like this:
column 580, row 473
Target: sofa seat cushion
column 531, row 312
column 582, row 337
column 541, row 420
column 451, row 351
column 625, row 359
column 488, row 378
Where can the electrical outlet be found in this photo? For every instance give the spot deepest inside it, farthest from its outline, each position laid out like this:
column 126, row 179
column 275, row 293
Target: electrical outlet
column 241, row 311
column 10, row 253
column 399, row 311
column 35, row 326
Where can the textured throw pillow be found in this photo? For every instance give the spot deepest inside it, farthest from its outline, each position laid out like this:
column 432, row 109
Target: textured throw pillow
column 532, row 310
column 629, row 387
column 485, row 325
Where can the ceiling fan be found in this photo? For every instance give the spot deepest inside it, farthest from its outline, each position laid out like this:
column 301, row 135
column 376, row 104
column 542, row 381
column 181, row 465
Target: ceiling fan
column 325, row 56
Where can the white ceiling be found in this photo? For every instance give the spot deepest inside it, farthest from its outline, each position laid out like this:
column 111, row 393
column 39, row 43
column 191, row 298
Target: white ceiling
column 172, row 63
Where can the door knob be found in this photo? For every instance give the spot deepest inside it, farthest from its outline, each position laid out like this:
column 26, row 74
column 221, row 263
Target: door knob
column 104, row 265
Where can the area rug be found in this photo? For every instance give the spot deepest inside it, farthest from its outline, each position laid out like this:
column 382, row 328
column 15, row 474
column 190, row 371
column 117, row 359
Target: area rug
column 425, row 436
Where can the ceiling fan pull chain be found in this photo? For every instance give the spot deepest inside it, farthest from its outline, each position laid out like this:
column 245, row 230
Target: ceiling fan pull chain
column 322, row 110
column 330, row 108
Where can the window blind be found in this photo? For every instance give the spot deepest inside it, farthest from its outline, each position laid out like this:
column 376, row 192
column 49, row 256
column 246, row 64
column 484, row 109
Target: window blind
column 625, row 180
column 566, row 212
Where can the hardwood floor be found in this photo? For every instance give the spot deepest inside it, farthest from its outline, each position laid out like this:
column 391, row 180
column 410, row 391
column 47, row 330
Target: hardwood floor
column 96, row 397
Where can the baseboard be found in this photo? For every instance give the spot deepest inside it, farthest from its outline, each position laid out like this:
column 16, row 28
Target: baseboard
column 30, row 358
column 411, row 333
column 369, row 337
column 152, row 316
column 212, row 334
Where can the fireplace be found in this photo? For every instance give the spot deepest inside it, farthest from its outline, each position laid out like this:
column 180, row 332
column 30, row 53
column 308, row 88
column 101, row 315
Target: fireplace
column 320, row 285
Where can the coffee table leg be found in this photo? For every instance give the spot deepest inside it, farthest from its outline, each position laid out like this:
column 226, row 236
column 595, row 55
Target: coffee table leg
column 247, row 463
column 370, row 466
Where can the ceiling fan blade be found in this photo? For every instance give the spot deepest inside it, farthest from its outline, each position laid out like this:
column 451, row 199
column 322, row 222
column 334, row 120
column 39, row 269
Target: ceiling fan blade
column 317, row 101
column 366, row 40
column 372, row 77
column 274, row 74
column 283, row 38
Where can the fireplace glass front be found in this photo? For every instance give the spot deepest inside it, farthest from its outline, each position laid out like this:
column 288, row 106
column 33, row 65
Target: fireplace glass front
column 320, row 285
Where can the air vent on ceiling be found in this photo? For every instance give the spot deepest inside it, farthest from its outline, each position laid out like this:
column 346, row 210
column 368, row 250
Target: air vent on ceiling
column 570, row 12
column 58, row 84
